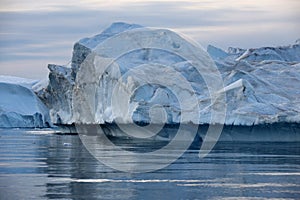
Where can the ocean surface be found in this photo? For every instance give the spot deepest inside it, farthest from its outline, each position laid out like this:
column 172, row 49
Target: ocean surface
column 40, row 165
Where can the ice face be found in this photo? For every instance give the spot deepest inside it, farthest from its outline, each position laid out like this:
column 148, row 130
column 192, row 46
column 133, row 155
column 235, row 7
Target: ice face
column 20, row 107
column 58, row 94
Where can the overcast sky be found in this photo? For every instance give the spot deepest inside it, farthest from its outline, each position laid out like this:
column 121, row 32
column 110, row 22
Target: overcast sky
column 34, row 33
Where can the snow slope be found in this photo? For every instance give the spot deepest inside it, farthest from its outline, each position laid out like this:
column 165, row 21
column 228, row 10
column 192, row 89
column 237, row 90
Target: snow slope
column 19, row 105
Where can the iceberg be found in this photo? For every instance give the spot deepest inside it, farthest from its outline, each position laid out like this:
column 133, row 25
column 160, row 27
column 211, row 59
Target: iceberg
column 19, row 105
column 106, row 85
column 272, row 77
column 260, row 85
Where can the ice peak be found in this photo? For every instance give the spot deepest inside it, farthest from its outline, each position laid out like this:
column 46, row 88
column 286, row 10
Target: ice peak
column 113, row 29
column 118, row 27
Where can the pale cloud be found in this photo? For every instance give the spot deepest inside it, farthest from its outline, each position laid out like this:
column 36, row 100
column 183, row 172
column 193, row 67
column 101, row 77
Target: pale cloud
column 33, row 33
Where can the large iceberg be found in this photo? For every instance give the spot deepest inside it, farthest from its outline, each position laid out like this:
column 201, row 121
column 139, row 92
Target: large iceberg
column 19, row 105
column 126, row 78
column 261, row 85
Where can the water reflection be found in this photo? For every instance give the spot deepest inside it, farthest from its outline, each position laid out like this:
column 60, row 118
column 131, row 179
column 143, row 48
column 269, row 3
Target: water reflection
column 35, row 166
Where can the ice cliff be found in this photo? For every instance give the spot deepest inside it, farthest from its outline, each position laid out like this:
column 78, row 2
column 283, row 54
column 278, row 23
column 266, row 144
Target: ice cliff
column 19, row 105
column 261, row 85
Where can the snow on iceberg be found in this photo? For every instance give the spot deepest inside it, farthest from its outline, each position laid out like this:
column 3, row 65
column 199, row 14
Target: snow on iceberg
column 290, row 53
column 272, row 75
column 261, row 85
column 19, row 105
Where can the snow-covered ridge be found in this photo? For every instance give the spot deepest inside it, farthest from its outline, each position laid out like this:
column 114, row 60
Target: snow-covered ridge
column 289, row 53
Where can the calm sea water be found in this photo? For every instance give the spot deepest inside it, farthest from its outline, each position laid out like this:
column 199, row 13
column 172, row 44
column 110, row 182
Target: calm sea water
column 39, row 165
